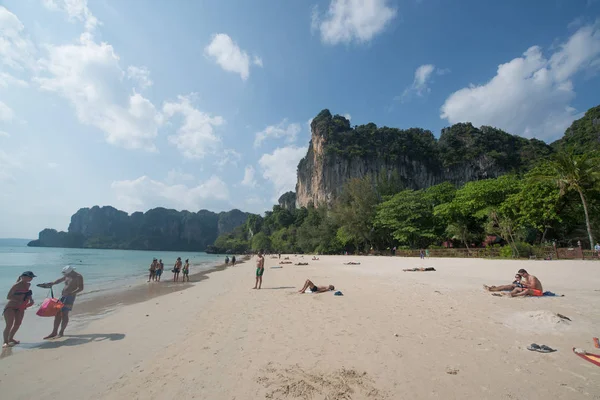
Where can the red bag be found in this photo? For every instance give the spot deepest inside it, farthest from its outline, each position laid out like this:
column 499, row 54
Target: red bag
column 50, row 307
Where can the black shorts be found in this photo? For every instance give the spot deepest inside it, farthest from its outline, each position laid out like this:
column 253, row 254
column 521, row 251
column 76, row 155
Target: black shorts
column 314, row 289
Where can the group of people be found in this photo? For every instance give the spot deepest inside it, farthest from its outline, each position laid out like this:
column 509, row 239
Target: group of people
column 232, row 260
column 20, row 297
column 524, row 284
column 157, row 267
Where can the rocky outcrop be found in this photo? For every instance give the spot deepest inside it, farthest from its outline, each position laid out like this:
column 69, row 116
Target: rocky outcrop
column 338, row 153
column 157, row 229
column 287, row 201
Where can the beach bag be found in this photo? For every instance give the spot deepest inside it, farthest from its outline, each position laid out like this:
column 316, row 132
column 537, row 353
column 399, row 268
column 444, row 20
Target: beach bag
column 50, row 307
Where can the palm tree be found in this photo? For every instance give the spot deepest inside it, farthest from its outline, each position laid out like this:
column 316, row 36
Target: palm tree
column 571, row 172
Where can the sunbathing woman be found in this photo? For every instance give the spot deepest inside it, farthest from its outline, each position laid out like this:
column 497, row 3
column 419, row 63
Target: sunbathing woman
column 314, row 288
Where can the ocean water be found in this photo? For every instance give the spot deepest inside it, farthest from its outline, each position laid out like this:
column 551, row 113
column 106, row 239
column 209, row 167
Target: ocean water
column 102, row 270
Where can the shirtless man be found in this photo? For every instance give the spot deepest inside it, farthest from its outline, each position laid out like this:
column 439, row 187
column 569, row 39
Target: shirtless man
column 73, row 285
column 260, row 269
column 531, row 286
column 314, row 288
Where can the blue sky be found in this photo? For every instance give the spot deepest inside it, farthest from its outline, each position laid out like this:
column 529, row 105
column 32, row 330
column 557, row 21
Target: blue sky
column 191, row 105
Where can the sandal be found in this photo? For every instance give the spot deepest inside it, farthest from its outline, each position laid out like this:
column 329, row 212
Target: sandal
column 533, row 347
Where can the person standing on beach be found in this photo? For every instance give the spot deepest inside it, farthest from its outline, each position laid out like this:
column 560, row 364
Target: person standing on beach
column 19, row 298
column 233, row 261
column 186, row 270
column 422, row 254
column 152, row 269
column 73, row 285
column 260, row 269
column 159, row 270
column 176, row 269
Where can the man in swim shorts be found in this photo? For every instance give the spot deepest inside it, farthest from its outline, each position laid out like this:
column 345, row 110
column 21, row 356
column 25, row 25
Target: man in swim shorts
column 531, row 286
column 260, row 270
column 73, row 285
column 308, row 285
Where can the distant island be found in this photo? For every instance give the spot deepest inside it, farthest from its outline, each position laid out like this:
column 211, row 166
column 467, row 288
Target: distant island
column 156, row 229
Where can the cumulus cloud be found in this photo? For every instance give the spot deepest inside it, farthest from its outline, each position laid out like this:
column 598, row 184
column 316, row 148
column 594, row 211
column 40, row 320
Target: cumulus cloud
column 87, row 74
column 422, row 81
column 225, row 52
column 281, row 130
column 16, row 49
column 144, row 193
column 249, row 176
column 280, row 166
column 6, row 113
column 75, row 10
column 348, row 21
column 196, row 136
column 530, row 95
column 228, row 157
column 140, row 75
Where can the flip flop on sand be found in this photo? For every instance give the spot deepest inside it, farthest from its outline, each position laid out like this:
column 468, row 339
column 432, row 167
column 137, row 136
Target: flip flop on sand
column 540, row 349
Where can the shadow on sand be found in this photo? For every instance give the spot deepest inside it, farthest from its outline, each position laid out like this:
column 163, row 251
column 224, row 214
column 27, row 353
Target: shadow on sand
column 75, row 340
column 277, row 288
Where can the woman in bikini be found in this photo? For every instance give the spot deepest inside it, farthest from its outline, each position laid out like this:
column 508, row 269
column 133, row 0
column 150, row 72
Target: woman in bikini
column 19, row 298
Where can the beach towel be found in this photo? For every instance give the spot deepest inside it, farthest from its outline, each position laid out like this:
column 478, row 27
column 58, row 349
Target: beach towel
column 551, row 294
column 593, row 358
column 50, row 306
column 279, row 266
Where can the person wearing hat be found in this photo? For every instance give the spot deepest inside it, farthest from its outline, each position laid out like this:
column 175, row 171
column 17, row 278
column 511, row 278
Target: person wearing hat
column 19, row 298
column 73, row 285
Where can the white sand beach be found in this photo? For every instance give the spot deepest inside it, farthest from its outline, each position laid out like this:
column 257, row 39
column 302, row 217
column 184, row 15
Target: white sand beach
column 393, row 335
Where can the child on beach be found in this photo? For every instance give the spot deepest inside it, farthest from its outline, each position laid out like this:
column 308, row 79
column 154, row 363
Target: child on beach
column 19, row 298
column 186, row 270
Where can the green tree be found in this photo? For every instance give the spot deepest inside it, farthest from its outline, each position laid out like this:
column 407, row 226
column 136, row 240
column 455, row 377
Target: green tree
column 577, row 173
column 261, row 241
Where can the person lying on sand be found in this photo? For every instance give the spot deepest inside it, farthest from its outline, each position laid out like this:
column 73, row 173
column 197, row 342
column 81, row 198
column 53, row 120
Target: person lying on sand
column 314, row 288
column 301, row 263
column 351, row 263
column 315, row 258
column 506, row 288
column 531, row 286
column 422, row 269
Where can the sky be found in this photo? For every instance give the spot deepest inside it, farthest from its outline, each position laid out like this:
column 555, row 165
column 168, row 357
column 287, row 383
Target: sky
column 206, row 104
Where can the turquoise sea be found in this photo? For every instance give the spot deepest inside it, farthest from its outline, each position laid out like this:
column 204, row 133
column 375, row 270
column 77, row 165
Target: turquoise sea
column 103, row 270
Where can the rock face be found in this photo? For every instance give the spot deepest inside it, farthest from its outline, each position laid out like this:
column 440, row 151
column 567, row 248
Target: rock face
column 287, row 201
column 413, row 157
column 157, row 229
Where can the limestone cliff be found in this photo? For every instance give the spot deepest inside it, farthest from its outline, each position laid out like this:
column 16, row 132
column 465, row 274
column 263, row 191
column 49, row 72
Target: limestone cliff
column 338, row 153
column 156, row 229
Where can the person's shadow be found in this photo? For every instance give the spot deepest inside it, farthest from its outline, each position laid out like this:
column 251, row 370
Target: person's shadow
column 75, row 340
column 279, row 287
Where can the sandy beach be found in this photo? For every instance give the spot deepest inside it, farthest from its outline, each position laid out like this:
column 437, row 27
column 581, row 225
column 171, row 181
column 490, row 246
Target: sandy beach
column 393, row 335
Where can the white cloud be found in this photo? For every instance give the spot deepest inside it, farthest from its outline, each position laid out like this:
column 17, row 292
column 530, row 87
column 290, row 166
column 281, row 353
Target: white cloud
column 4, row 134
column 420, row 85
column 228, row 156
column 16, row 50
column 144, row 193
column 347, row 116
column 349, row 21
column 6, row 113
column 530, row 95
column 249, row 176
column 89, row 76
column 140, row 75
column 7, row 79
column 280, row 166
column 282, row 129
column 196, row 137
column 225, row 52
column 76, row 10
